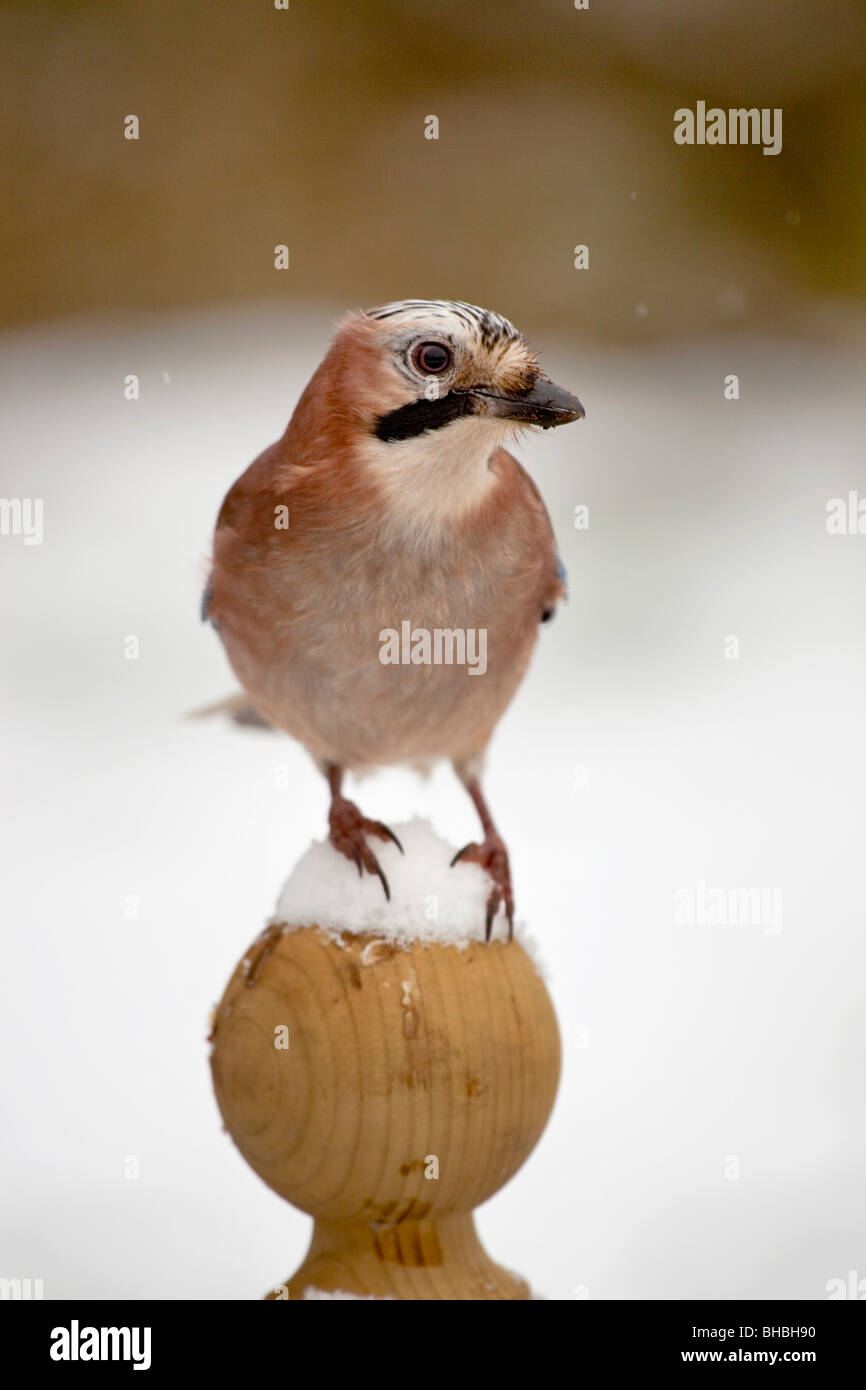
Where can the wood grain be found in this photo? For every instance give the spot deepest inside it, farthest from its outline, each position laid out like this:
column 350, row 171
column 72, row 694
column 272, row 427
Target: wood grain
column 400, row 1064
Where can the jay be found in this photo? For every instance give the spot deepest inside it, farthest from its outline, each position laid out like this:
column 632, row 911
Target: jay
column 390, row 506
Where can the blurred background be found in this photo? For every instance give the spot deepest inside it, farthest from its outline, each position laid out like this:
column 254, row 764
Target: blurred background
column 305, row 127
column 709, row 1138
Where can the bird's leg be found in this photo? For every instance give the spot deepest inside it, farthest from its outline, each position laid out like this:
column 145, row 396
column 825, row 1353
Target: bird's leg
column 492, row 855
column 348, row 829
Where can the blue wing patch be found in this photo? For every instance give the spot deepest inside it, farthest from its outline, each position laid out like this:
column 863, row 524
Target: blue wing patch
column 547, row 613
column 562, row 574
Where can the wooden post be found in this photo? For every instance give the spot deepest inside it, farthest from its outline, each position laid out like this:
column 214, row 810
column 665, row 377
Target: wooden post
column 387, row 1092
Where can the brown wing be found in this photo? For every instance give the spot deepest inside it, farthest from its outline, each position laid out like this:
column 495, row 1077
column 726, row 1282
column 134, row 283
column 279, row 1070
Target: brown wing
column 248, row 508
column 557, row 583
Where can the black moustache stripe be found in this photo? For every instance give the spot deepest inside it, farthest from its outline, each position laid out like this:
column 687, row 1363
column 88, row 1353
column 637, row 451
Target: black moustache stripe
column 422, row 415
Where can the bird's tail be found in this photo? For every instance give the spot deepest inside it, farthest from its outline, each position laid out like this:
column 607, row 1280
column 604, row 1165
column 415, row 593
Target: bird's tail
column 237, row 708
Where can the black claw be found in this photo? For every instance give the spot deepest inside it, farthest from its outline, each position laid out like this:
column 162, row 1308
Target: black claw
column 377, row 869
column 511, row 924
column 491, row 913
column 459, row 854
column 386, row 829
column 494, row 902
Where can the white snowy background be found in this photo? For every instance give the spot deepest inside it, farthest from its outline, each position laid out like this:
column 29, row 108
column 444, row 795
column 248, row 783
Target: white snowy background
column 636, row 762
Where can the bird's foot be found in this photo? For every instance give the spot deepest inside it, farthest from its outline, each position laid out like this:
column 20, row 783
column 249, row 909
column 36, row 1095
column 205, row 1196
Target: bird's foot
column 348, row 831
column 492, row 855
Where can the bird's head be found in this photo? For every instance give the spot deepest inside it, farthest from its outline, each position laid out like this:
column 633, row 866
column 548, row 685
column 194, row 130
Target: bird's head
column 421, row 393
column 451, row 361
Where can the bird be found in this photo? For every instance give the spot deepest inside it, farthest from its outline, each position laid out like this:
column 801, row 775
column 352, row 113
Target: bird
column 388, row 526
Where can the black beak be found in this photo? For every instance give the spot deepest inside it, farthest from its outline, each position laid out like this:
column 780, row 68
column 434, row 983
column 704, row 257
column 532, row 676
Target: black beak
column 544, row 404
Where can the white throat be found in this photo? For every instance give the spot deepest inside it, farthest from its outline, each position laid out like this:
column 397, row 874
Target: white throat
column 438, row 477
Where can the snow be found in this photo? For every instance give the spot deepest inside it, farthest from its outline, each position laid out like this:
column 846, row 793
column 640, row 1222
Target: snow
column 143, row 851
column 430, row 900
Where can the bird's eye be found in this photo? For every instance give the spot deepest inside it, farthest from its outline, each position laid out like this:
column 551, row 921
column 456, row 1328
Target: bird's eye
column 432, row 358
